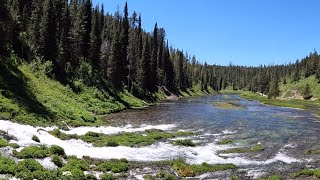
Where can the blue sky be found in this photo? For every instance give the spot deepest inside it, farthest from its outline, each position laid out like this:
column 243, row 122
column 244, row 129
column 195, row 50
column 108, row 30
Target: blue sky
column 243, row 32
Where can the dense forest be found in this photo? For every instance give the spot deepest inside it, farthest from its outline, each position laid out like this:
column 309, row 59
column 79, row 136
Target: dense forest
column 82, row 42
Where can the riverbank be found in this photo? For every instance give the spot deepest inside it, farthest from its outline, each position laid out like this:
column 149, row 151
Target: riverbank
column 312, row 106
column 29, row 96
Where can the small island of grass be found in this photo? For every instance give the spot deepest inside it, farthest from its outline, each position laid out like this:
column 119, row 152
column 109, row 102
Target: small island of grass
column 226, row 105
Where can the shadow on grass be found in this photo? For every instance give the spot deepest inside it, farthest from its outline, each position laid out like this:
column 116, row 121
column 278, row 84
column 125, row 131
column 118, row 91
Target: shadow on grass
column 13, row 86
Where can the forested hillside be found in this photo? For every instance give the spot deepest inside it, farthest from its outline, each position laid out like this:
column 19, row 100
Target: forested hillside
column 107, row 62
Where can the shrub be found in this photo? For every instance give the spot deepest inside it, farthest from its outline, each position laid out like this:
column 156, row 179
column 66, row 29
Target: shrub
column 91, row 177
column 35, row 138
column 75, row 163
column 148, row 177
column 57, row 160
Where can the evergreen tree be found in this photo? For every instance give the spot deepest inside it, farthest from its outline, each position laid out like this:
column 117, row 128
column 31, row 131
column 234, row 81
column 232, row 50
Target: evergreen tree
column 154, row 59
column 274, row 88
column 95, row 42
column 124, row 41
column 307, row 94
column 87, row 6
column 48, row 38
column 146, row 66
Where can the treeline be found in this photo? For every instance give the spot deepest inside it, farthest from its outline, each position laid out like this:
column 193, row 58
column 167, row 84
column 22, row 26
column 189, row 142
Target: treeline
column 112, row 50
column 98, row 48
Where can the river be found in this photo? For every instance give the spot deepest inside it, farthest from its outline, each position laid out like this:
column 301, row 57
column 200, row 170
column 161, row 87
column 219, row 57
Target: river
column 286, row 135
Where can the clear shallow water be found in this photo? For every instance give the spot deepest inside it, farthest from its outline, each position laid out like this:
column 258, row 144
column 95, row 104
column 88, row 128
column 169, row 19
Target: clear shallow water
column 285, row 133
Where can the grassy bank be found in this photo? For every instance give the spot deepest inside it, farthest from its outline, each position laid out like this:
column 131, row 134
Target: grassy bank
column 29, row 96
column 291, row 103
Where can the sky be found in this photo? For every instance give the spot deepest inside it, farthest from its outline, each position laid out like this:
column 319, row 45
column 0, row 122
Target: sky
column 241, row 32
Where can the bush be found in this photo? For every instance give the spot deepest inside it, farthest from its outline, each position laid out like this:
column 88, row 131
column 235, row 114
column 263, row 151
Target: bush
column 91, row 177
column 35, row 138
column 14, row 145
column 57, row 160
column 75, row 163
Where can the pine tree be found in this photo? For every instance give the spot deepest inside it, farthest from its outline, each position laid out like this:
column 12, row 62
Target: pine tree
column 87, row 6
column 48, row 38
column 5, row 21
column 115, row 64
column 274, row 88
column 124, row 41
column 95, row 42
column 154, row 59
column 168, row 69
column 307, row 94
column 146, row 66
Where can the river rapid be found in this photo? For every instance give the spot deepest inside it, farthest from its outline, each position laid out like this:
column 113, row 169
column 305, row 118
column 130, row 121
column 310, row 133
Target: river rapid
column 286, row 134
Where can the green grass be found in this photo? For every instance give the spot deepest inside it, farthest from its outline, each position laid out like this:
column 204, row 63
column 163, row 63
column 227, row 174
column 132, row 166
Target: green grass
column 308, row 172
column 187, row 170
column 149, row 137
column 226, row 105
column 225, row 141
column 256, row 148
column 185, row 142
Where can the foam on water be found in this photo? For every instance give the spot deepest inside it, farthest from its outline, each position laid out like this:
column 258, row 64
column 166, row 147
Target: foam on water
column 155, row 152
column 115, row 130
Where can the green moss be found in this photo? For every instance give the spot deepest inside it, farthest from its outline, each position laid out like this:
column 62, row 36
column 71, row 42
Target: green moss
column 255, row 148
column 14, row 145
column 124, row 139
column 165, row 175
column 39, row 152
column 3, row 143
column 35, row 138
column 312, row 151
column 148, row 177
column 8, row 166
column 274, row 177
column 57, row 160
column 107, row 176
column 115, row 166
column 185, row 142
column 308, row 172
column 225, row 141
column 186, row 170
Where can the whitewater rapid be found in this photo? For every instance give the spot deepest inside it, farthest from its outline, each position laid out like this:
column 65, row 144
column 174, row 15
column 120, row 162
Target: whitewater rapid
column 155, row 152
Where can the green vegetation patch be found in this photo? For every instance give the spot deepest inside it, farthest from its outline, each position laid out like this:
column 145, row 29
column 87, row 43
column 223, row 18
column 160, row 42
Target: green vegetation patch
column 308, row 172
column 185, row 142
column 225, row 141
column 186, row 170
column 256, row 148
column 125, row 139
column 273, row 177
column 166, row 175
column 39, row 152
column 312, row 151
column 114, row 165
column 226, row 105
column 3, row 143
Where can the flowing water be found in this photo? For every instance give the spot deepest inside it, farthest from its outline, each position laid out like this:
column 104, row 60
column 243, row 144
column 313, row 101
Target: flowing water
column 285, row 133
